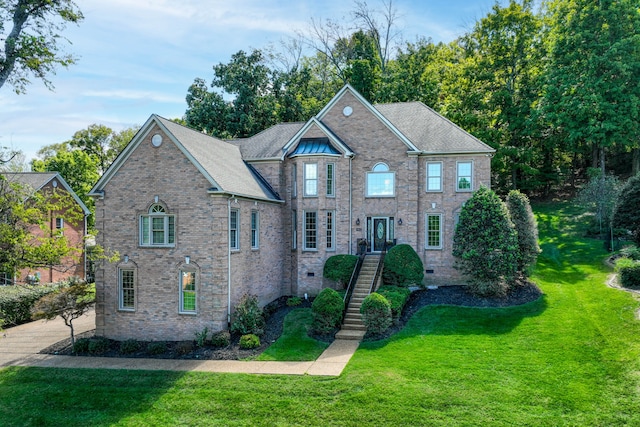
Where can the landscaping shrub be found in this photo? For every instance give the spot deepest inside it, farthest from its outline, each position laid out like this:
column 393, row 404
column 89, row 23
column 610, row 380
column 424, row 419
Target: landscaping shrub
column 16, row 301
column 397, row 297
column 294, row 301
column 632, row 252
column 248, row 317
column 201, row 337
column 221, row 339
column 526, row 229
column 485, row 244
column 249, row 341
column 184, row 347
column 157, row 347
column 630, row 276
column 99, row 345
column 402, row 267
column 129, row 346
column 340, row 268
column 81, row 345
column 327, row 310
column 376, row 313
column 627, row 211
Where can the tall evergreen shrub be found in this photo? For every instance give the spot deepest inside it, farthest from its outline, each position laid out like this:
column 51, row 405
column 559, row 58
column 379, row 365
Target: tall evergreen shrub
column 527, row 229
column 627, row 211
column 402, row 267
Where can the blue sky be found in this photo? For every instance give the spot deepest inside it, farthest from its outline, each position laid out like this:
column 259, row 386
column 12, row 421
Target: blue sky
column 138, row 57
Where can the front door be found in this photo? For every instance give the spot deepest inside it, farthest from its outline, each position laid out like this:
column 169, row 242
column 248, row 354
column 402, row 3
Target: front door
column 379, row 233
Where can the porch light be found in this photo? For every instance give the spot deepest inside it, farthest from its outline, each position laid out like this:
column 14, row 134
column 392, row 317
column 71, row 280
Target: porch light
column 400, row 221
column 358, row 221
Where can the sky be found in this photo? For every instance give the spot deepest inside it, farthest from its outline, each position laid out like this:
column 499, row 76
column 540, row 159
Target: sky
column 139, row 57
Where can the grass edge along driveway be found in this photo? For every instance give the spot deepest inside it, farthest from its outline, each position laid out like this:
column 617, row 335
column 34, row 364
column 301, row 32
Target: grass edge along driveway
column 570, row 358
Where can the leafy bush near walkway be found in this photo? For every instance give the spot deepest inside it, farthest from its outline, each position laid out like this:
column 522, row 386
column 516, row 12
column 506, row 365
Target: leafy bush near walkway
column 397, row 297
column 376, row 313
column 16, row 301
column 327, row 308
column 402, row 267
column 340, row 268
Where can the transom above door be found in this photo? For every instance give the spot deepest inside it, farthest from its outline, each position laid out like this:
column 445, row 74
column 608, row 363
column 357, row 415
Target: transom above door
column 380, row 230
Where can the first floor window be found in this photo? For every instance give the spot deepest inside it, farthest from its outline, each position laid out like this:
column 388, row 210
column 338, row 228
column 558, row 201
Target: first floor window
column 127, row 292
column 331, row 225
column 294, row 229
column 465, row 173
column 234, row 223
column 434, row 176
column 187, row 291
column 255, row 230
column 157, row 228
column 434, row 231
column 311, row 230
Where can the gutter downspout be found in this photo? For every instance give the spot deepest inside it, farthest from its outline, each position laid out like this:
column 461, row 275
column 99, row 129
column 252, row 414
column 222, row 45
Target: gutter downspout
column 229, row 263
column 350, row 205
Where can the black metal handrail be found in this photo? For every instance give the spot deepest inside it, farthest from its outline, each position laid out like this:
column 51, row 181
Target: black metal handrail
column 379, row 269
column 352, row 281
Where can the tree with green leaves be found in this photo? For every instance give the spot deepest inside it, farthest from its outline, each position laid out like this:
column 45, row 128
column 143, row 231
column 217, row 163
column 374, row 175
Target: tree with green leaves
column 599, row 196
column 526, row 227
column 485, row 244
column 627, row 211
column 32, row 40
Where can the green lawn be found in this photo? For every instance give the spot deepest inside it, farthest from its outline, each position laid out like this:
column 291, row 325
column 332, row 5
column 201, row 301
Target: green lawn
column 572, row 358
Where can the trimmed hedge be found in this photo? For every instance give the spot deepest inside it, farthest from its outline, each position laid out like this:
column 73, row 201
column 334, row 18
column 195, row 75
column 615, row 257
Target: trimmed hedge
column 397, row 297
column 17, row 301
column 630, row 276
column 376, row 313
column 402, row 267
column 340, row 268
column 327, row 309
column 249, row 341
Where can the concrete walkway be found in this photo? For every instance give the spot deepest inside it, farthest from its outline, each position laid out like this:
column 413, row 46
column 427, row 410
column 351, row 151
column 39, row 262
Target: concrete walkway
column 20, row 345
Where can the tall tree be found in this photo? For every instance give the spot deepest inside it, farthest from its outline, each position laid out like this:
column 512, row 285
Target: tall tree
column 592, row 92
column 32, row 41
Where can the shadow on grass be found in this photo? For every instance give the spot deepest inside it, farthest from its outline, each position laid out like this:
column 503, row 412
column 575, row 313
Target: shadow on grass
column 69, row 397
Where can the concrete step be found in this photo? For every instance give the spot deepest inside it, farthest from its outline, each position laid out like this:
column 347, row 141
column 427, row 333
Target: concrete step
column 353, row 316
column 350, row 335
column 354, row 328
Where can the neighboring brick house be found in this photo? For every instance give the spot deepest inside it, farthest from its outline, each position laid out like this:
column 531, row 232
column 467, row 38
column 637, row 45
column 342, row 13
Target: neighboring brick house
column 199, row 222
column 59, row 223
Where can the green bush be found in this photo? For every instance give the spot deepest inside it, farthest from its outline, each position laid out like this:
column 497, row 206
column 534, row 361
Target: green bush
column 630, row 276
column 327, row 308
column 81, row 345
column 249, row 341
column 157, row 347
column 402, row 267
column 627, row 211
column 248, row 317
column 397, row 297
column 129, row 346
column 526, row 229
column 632, row 252
column 184, row 347
column 340, row 268
column 16, row 302
column 221, row 339
column 624, row 263
column 376, row 313
column 485, row 244
column 99, row 345
column 294, row 301
column 201, row 337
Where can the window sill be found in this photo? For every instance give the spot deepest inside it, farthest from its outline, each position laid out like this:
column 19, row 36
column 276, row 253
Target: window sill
column 188, row 313
column 157, row 246
column 433, row 248
column 379, row 197
column 126, row 310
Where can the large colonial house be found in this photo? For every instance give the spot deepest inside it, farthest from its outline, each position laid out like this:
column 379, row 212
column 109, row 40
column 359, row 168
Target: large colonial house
column 60, row 222
column 199, row 222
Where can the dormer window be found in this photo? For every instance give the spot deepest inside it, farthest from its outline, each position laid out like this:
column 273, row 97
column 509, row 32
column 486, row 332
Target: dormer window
column 381, row 181
column 157, row 227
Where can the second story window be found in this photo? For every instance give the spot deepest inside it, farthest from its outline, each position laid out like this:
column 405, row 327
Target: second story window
column 255, row 230
column 311, row 179
column 380, row 181
column 465, row 176
column 331, row 179
column 157, row 227
column 434, row 176
column 234, row 226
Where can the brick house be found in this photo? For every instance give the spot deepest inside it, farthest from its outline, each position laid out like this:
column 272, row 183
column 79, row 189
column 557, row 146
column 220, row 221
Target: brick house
column 60, row 222
column 199, row 222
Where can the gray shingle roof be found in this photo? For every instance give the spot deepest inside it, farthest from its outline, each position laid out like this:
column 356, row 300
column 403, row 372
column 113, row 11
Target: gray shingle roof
column 268, row 143
column 429, row 131
column 221, row 160
column 34, row 180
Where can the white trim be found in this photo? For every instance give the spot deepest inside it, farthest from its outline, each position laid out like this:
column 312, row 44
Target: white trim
column 314, row 121
column 426, row 172
column 304, row 236
column 255, row 231
column 181, row 292
column 440, row 231
column 330, row 225
column 463, row 190
column 333, row 179
column 305, row 179
column 234, row 246
column 372, row 172
column 121, row 306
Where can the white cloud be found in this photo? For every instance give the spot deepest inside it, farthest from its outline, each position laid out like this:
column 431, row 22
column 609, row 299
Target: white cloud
column 132, row 94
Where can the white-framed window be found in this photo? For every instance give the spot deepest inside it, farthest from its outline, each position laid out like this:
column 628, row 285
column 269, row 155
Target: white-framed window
column 234, row 229
column 255, row 229
column 127, row 289
column 60, row 226
column 294, row 180
column 294, row 229
column 311, row 179
column 464, row 180
column 434, row 231
column 157, row 227
column 188, row 291
column 331, row 179
column 381, row 181
column 331, row 227
column 310, row 230
column 434, row 176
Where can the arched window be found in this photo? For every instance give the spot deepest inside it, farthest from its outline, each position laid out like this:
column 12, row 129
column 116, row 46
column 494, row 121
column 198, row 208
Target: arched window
column 380, row 181
column 157, row 227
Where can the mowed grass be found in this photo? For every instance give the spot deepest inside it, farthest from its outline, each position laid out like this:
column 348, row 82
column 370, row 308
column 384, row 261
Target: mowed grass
column 571, row 358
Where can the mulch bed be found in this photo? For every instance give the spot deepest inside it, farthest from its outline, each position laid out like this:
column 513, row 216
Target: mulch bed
column 448, row 295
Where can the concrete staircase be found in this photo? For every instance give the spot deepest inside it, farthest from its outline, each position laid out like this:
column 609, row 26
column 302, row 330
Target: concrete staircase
column 352, row 326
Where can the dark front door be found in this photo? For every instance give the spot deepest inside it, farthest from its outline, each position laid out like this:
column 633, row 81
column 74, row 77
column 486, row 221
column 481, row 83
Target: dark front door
column 380, row 227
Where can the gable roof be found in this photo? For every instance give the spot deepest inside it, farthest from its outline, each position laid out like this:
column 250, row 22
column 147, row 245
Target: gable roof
column 429, row 131
column 267, row 144
column 219, row 162
column 37, row 180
